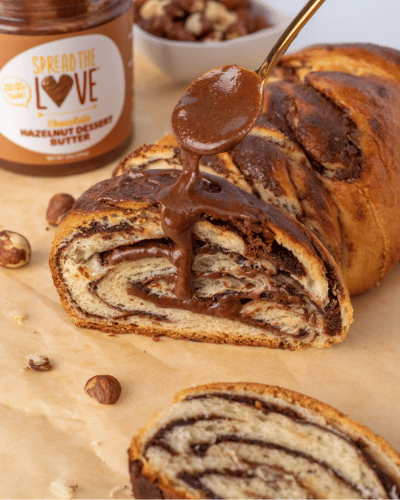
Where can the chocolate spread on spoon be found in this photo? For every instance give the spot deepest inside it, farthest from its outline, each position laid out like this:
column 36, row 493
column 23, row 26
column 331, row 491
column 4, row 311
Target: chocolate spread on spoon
column 217, row 110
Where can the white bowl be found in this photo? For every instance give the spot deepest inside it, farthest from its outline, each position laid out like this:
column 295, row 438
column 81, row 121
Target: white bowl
column 185, row 61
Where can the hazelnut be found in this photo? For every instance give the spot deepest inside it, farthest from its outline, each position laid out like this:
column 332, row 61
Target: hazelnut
column 173, row 10
column 153, row 8
column 219, row 15
column 156, row 25
column 38, row 362
column 198, row 24
column 59, row 205
column 103, row 388
column 15, row 250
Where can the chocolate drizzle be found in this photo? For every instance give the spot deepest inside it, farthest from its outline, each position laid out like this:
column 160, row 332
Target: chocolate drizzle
column 214, row 114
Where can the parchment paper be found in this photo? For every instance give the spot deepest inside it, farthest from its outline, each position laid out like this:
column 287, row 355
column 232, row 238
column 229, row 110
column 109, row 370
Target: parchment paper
column 55, row 441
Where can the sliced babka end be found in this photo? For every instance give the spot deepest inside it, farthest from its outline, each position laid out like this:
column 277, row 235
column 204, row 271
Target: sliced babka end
column 255, row 441
column 237, row 299
column 268, row 283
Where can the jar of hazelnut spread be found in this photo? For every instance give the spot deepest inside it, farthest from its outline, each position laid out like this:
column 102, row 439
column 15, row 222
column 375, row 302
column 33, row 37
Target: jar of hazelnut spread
column 66, row 84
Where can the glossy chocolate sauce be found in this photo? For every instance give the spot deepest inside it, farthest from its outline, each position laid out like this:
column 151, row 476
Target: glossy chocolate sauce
column 214, row 114
column 184, row 200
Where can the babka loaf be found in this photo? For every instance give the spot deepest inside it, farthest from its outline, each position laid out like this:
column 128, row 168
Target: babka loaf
column 243, row 440
column 326, row 148
column 251, row 275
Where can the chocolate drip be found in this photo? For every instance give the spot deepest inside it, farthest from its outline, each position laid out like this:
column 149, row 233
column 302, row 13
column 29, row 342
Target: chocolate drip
column 214, row 114
column 198, row 197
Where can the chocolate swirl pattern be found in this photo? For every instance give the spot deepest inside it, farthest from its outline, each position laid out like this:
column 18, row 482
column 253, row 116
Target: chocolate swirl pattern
column 254, row 441
column 253, row 274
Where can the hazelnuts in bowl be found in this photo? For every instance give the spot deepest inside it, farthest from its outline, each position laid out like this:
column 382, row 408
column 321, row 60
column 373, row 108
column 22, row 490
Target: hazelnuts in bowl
column 199, row 20
column 186, row 38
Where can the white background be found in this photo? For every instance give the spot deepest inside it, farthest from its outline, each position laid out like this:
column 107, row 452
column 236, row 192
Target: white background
column 376, row 21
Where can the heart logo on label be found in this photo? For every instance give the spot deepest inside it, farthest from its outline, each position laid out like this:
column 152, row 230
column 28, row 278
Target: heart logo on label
column 57, row 91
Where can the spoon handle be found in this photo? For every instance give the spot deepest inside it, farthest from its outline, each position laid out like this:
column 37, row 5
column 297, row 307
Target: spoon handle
column 287, row 37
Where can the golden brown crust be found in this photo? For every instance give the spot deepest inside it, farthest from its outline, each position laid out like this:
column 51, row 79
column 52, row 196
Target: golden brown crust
column 363, row 82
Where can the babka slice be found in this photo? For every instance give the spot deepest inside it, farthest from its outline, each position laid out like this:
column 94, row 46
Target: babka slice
column 217, row 265
column 249, row 440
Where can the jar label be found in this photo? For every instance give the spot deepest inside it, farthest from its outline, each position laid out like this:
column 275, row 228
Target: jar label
column 66, row 98
column 63, row 96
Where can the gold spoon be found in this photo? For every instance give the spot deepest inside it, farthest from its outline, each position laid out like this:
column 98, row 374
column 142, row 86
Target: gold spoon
column 287, row 38
column 220, row 108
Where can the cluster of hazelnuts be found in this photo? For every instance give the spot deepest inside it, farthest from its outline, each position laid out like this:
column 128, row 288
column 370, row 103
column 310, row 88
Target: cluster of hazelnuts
column 198, row 20
column 15, row 252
